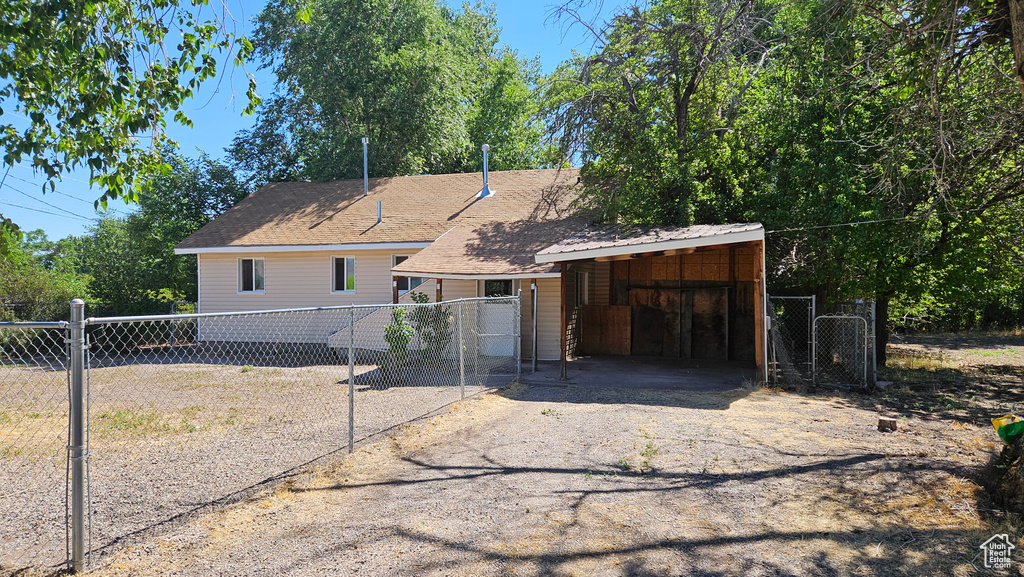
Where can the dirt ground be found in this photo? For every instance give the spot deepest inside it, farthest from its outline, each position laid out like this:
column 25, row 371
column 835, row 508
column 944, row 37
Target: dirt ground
column 582, row 481
column 169, row 439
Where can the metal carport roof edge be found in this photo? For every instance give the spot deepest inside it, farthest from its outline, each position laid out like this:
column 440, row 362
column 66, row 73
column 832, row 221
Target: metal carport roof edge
column 625, row 249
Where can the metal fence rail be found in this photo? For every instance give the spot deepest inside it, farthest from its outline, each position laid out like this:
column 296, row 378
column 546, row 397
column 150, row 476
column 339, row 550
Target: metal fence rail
column 180, row 411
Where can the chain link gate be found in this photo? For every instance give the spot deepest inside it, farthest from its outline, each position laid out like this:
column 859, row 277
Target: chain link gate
column 171, row 414
column 791, row 339
column 841, row 351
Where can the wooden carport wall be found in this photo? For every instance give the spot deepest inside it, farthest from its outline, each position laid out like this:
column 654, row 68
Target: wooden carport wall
column 760, row 328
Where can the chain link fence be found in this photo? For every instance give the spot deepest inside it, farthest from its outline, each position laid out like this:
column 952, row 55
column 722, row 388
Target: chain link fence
column 187, row 411
column 33, row 443
column 841, row 350
column 864, row 309
column 790, row 339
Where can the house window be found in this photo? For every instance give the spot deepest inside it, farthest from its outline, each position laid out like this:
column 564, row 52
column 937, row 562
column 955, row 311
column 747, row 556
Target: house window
column 498, row 288
column 250, row 275
column 405, row 283
column 343, row 274
column 582, row 288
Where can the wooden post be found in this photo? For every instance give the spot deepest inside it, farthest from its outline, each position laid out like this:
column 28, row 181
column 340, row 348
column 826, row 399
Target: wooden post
column 565, row 328
column 394, row 289
column 759, row 312
column 437, row 298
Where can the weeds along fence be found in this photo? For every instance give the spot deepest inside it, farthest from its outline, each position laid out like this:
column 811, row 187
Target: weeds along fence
column 110, row 426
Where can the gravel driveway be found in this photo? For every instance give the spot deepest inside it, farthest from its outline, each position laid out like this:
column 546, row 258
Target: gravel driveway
column 577, row 481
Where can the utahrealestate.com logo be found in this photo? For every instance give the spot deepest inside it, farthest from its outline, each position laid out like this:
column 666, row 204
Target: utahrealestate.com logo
column 997, row 551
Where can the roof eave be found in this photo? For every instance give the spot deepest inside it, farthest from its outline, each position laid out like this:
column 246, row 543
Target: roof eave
column 268, row 248
column 478, row 276
column 664, row 245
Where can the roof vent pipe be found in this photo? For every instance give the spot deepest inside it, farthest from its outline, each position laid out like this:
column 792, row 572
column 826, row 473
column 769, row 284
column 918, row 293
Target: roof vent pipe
column 486, row 190
column 378, row 212
column 366, row 183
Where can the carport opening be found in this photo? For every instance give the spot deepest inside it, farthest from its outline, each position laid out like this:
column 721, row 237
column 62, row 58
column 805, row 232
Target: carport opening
column 699, row 304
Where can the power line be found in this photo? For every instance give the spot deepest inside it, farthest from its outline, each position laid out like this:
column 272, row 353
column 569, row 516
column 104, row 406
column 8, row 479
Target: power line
column 53, row 206
column 39, row 210
column 55, row 191
column 878, row 221
column 41, row 201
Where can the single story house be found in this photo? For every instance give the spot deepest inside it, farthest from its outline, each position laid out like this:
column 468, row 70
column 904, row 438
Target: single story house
column 694, row 292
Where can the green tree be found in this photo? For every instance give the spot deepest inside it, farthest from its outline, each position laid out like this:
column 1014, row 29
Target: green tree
column 31, row 291
column 884, row 117
column 98, row 82
column 652, row 114
column 882, row 140
column 132, row 259
column 426, row 83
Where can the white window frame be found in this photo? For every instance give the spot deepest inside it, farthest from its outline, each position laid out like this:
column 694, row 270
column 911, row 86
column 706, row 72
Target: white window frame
column 348, row 273
column 394, row 263
column 255, row 291
column 582, row 282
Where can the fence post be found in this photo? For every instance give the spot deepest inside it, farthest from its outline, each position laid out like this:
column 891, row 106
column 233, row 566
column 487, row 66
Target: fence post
column 462, row 352
column 874, row 345
column 518, row 334
column 814, row 352
column 351, row 378
column 76, row 450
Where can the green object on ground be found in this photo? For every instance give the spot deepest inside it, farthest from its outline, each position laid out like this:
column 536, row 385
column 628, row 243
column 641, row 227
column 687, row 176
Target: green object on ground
column 1009, row 427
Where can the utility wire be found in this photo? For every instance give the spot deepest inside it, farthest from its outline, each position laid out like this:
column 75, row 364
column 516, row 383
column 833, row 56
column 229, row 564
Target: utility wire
column 54, row 206
column 39, row 210
column 879, row 221
column 54, row 191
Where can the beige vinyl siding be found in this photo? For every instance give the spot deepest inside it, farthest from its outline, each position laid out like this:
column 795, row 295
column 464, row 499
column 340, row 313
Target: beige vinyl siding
column 526, row 326
column 452, row 289
column 549, row 318
column 303, row 279
column 293, row 280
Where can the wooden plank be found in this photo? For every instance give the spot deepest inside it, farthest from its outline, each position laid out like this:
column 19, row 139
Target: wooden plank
column 759, row 311
column 655, row 322
column 741, row 322
column 686, row 324
column 606, row 330
column 691, row 267
column 710, row 332
column 618, row 340
column 640, row 272
column 665, row 268
column 591, row 330
column 620, row 270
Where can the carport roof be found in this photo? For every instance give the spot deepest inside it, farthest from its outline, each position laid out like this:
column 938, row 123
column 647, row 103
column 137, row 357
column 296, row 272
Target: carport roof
column 612, row 241
column 493, row 250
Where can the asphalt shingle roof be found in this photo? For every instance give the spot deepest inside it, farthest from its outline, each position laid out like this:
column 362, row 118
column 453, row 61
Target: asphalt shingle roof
column 415, row 209
column 494, row 249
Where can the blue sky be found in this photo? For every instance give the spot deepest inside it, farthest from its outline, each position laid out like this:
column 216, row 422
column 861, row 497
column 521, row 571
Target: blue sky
column 216, row 114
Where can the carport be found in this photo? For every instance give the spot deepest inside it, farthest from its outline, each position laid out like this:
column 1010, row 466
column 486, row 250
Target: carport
column 684, row 293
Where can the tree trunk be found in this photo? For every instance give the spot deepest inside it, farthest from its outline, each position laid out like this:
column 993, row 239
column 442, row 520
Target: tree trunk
column 881, row 326
column 1017, row 38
